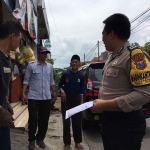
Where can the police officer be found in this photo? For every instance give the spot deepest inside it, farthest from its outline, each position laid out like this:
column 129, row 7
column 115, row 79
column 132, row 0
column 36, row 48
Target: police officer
column 124, row 89
column 71, row 87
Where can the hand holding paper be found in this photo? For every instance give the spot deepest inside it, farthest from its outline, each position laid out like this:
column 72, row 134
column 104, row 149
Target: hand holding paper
column 77, row 109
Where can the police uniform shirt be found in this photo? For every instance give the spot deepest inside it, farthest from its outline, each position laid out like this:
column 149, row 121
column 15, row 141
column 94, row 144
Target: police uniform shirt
column 72, row 83
column 118, row 83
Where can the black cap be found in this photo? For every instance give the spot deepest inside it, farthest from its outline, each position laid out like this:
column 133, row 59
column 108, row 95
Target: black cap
column 42, row 50
column 75, row 57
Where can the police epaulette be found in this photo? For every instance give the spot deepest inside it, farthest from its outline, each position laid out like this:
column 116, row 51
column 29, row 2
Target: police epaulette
column 131, row 48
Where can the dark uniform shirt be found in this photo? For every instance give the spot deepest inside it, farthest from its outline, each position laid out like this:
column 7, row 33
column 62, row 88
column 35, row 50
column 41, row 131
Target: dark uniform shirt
column 5, row 76
column 72, row 83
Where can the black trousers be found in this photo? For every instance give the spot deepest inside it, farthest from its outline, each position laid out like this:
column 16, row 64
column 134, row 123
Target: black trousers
column 76, row 121
column 123, row 131
column 39, row 112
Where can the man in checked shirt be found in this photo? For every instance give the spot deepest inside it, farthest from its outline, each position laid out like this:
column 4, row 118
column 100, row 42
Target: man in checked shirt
column 39, row 77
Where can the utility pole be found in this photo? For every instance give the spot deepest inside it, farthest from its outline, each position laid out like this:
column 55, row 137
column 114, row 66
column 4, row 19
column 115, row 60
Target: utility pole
column 84, row 57
column 98, row 48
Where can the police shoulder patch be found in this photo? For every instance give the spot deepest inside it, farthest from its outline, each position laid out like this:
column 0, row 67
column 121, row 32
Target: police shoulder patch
column 140, row 68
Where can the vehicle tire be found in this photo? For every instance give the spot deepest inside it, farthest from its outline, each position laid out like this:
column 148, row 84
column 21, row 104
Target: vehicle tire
column 85, row 123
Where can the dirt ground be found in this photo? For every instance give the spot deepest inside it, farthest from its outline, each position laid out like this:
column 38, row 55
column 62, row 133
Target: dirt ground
column 53, row 140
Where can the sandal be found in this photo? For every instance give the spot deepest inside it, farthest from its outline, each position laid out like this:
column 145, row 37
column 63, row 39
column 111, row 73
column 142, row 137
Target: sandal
column 66, row 147
column 79, row 146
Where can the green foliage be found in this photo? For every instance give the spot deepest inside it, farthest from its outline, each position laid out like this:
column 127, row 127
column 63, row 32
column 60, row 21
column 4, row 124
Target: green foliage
column 147, row 47
column 50, row 60
column 56, row 79
column 137, row 44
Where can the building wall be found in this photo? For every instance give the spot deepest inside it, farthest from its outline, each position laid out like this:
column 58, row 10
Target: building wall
column 45, row 17
column 104, row 55
column 7, row 15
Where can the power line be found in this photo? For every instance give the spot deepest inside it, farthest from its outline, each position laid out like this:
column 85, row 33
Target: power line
column 55, row 23
column 144, row 12
column 91, row 54
column 90, row 51
column 140, row 29
column 141, row 22
column 93, row 50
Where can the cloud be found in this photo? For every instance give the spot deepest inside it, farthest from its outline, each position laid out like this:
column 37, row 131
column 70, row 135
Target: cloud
column 72, row 45
column 79, row 25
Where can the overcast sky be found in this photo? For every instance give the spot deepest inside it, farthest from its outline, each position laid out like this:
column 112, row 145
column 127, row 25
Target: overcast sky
column 79, row 25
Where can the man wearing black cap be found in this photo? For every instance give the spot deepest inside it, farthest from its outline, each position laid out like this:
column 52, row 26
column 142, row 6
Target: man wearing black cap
column 39, row 78
column 71, row 87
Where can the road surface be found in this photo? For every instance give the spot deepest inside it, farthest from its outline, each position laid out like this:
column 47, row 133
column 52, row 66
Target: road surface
column 94, row 139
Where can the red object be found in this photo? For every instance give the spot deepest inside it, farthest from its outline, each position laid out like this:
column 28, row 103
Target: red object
column 95, row 93
column 15, row 89
column 89, row 88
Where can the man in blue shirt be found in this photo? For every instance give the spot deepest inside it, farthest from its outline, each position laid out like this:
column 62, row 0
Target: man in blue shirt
column 71, row 87
column 39, row 78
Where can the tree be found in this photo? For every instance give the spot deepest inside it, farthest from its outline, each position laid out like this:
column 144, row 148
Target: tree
column 147, row 47
column 136, row 44
column 50, row 60
column 56, row 77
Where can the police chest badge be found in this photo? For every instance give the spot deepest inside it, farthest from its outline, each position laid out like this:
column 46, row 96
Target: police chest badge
column 140, row 68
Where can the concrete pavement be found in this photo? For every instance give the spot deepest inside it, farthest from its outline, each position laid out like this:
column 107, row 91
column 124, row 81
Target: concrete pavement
column 54, row 137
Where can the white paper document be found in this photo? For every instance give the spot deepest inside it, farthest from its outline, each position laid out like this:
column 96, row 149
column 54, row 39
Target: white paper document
column 77, row 109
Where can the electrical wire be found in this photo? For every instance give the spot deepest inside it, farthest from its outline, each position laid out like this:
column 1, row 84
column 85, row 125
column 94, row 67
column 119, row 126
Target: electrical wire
column 140, row 15
column 89, row 57
column 140, row 29
column 55, row 24
column 140, row 23
column 90, row 51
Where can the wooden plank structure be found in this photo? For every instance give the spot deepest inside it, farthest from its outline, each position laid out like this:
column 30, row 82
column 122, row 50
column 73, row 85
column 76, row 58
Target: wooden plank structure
column 20, row 115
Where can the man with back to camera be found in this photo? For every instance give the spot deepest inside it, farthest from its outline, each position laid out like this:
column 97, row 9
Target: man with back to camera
column 124, row 89
column 71, row 88
column 10, row 35
column 39, row 77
